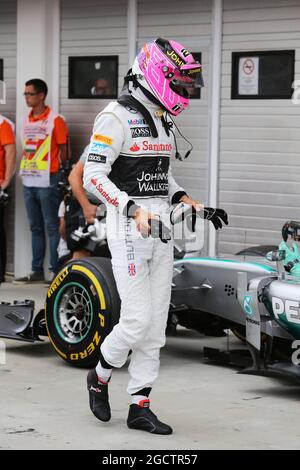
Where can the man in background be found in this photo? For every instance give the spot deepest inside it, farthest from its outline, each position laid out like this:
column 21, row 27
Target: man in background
column 45, row 141
column 103, row 87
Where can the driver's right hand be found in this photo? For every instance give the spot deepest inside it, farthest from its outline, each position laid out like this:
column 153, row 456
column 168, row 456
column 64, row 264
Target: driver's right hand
column 89, row 212
column 141, row 218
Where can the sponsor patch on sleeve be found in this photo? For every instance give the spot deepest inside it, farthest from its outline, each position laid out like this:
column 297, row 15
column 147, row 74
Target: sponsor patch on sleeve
column 93, row 157
column 102, row 138
column 96, row 147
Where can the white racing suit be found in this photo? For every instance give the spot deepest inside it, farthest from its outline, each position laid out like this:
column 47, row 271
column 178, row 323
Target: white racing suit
column 126, row 163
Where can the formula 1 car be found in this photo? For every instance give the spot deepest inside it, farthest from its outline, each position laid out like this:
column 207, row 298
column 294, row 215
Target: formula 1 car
column 253, row 296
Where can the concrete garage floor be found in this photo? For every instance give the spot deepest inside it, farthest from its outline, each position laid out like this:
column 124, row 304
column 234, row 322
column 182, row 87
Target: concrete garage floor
column 44, row 402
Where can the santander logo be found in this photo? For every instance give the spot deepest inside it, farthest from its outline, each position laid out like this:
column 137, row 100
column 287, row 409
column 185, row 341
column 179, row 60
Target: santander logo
column 114, row 201
column 135, row 148
column 156, row 147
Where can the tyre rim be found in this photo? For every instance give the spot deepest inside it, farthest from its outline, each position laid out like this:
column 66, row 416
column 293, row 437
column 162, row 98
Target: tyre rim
column 73, row 313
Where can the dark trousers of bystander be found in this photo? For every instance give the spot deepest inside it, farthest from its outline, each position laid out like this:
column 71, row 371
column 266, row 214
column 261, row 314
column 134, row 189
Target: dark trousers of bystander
column 2, row 245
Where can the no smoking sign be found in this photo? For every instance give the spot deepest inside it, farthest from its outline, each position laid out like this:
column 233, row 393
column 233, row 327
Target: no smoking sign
column 248, row 66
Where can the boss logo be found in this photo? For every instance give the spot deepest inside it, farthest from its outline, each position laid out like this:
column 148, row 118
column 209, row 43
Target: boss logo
column 93, row 157
column 140, row 132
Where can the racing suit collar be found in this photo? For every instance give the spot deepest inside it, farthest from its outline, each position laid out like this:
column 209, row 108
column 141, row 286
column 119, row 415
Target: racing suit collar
column 139, row 95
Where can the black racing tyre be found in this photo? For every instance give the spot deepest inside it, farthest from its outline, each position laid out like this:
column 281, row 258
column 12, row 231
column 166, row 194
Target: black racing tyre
column 82, row 307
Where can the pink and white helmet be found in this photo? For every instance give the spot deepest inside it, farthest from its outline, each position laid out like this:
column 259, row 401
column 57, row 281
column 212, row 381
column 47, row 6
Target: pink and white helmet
column 169, row 70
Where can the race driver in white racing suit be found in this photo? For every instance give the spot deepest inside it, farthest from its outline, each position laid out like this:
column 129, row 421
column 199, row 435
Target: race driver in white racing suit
column 128, row 168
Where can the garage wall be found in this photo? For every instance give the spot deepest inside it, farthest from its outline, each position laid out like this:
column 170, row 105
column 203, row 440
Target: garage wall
column 8, row 27
column 259, row 172
column 89, row 28
column 8, row 22
column 260, row 139
column 187, row 22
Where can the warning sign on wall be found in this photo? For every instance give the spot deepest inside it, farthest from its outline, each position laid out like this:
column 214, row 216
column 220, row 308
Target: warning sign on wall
column 248, row 75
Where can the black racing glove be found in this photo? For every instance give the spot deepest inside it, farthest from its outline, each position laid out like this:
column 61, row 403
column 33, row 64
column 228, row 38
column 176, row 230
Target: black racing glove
column 188, row 213
column 159, row 230
column 217, row 216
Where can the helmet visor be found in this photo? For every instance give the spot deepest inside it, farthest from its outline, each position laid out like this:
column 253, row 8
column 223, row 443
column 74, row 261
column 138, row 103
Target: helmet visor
column 189, row 76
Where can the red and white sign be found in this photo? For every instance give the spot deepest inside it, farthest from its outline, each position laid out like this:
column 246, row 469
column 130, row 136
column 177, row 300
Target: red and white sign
column 248, row 75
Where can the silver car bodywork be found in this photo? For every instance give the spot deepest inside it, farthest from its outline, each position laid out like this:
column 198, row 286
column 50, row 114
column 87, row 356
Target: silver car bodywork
column 255, row 294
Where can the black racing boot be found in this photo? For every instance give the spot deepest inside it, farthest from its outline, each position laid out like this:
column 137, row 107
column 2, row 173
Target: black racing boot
column 98, row 393
column 141, row 417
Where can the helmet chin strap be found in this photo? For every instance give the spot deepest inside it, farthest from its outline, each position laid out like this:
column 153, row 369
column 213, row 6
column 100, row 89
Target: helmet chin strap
column 136, row 84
